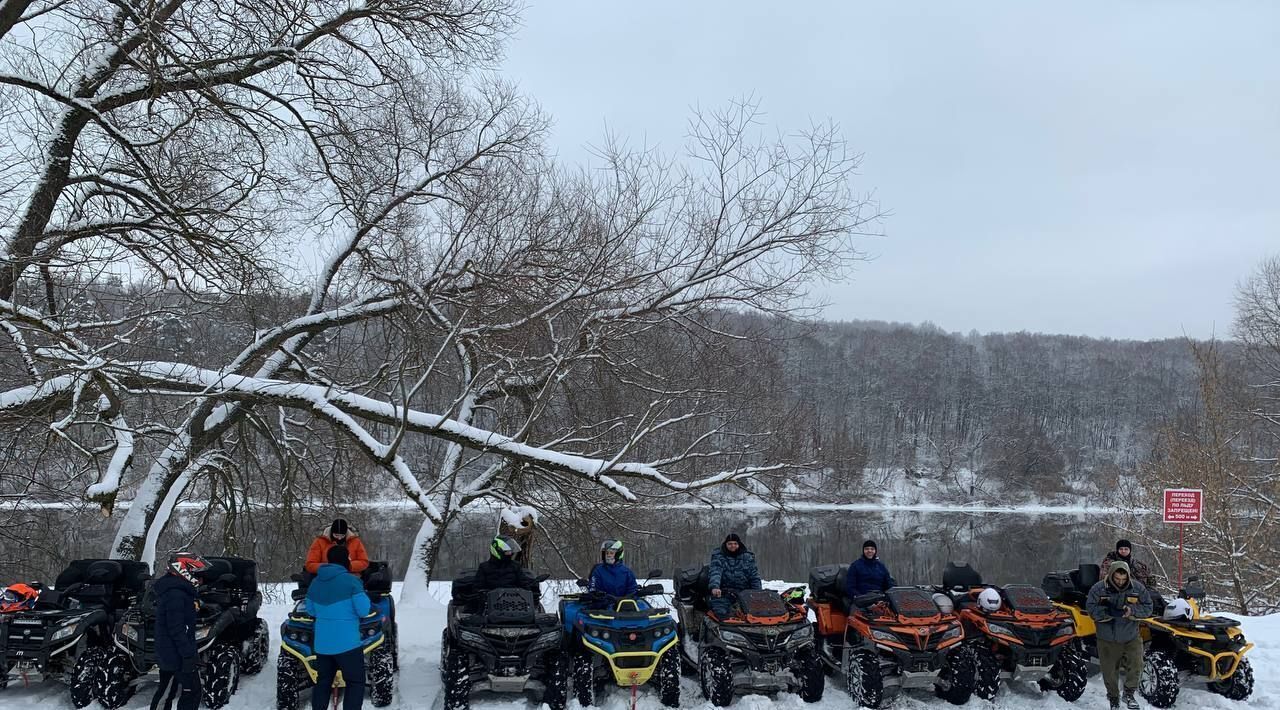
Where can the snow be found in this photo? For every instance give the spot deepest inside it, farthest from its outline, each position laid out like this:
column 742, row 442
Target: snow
column 418, row 686
column 516, row 515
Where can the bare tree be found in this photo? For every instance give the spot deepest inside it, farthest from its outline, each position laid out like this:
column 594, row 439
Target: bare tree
column 204, row 153
column 1212, row 447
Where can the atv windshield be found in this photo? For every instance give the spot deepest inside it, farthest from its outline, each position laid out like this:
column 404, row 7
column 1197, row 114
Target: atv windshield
column 912, row 602
column 1028, row 599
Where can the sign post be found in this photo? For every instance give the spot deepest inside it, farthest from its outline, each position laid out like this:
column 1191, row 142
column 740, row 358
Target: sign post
column 1183, row 506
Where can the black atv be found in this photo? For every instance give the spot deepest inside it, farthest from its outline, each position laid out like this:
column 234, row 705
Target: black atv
column 379, row 636
column 766, row 648
column 501, row 641
column 230, row 637
column 68, row 634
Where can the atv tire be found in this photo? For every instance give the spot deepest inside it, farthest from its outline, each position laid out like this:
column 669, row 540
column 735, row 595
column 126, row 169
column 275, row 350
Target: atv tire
column 715, row 676
column 1069, row 676
column 256, row 649
column 113, row 683
column 863, row 677
column 380, row 676
column 1239, row 686
column 668, row 672
column 1160, row 683
column 82, row 675
column 811, row 672
column 556, row 684
column 221, row 676
column 290, row 677
column 986, row 678
column 584, row 678
column 456, row 675
column 957, row 676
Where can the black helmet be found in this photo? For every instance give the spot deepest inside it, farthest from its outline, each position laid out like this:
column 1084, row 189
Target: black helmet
column 615, row 545
column 504, row 547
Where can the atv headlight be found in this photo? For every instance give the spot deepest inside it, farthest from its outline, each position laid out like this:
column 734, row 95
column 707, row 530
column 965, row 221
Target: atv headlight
column 64, row 632
column 954, row 632
column 804, row 633
column 472, row 637
column 548, row 639
column 1000, row 630
column 202, row 632
column 1068, row 630
column 130, row 632
column 733, row 637
column 884, row 636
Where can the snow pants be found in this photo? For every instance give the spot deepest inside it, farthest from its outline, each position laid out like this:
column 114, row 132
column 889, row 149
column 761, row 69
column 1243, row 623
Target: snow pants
column 1115, row 655
column 185, row 686
column 351, row 664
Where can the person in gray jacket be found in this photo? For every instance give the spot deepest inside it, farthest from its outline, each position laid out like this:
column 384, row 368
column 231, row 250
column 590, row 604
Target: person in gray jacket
column 1116, row 603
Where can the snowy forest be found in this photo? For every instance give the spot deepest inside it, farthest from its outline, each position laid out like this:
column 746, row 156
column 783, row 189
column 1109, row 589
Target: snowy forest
column 279, row 257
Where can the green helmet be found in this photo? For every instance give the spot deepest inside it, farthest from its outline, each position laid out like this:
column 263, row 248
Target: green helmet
column 615, row 545
column 504, row 546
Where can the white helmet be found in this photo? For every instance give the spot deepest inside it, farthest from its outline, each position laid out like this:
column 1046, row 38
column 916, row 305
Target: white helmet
column 989, row 600
column 1178, row 609
column 945, row 605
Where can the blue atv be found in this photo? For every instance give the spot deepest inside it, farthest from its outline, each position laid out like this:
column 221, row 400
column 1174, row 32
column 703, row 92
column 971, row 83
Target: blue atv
column 378, row 636
column 621, row 639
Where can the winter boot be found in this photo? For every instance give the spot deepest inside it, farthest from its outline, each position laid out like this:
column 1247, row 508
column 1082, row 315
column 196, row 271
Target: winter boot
column 1130, row 702
column 1114, row 703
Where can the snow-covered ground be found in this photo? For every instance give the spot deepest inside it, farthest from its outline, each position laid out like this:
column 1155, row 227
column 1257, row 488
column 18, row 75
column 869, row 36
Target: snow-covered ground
column 419, row 684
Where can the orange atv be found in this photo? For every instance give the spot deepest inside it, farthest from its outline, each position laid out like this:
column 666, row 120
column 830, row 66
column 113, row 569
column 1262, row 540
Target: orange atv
column 1025, row 638
column 900, row 638
column 765, row 648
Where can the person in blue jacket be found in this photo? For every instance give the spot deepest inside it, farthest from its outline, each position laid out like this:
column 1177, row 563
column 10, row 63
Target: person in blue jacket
column 732, row 569
column 612, row 575
column 175, row 631
column 337, row 600
column 867, row 573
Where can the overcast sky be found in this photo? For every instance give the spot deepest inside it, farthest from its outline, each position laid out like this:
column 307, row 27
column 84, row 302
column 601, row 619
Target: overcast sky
column 1103, row 169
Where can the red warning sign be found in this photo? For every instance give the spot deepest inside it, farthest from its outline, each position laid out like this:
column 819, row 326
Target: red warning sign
column 1183, row 505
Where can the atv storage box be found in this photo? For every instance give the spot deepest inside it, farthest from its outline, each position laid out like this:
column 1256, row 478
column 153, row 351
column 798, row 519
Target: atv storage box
column 1057, row 585
column 377, row 578
column 827, row 583
column 960, row 576
column 691, row 585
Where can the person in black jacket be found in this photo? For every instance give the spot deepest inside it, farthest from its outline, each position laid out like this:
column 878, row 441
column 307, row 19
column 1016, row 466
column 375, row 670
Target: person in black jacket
column 175, row 630
column 502, row 570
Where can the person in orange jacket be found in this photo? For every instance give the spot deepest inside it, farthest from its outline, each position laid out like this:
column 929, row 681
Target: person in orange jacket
column 338, row 533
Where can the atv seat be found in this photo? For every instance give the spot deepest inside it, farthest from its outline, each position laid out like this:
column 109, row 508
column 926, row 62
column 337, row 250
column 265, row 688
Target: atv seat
column 827, row 583
column 960, row 576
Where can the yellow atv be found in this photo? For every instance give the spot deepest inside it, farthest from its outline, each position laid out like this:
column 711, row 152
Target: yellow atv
column 1183, row 645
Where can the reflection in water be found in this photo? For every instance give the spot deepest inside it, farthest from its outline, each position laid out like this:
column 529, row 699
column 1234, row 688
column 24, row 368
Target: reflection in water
column 1004, row 547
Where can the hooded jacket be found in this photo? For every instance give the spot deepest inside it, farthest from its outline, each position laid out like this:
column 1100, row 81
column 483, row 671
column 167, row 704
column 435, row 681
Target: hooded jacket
column 866, row 576
column 733, row 572
column 319, row 553
column 616, row 579
column 1107, row 603
column 175, row 629
column 338, row 602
